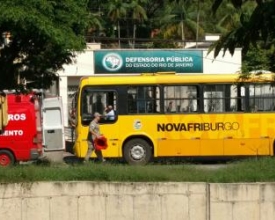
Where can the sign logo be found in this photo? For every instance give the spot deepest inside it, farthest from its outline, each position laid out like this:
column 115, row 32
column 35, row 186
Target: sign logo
column 112, row 62
column 137, row 124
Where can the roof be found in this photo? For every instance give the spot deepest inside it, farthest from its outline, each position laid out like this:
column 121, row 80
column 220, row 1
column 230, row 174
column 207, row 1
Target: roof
column 171, row 78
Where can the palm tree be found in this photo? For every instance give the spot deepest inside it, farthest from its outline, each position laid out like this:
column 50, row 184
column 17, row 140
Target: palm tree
column 231, row 19
column 259, row 25
column 179, row 19
column 95, row 22
column 138, row 15
column 117, row 10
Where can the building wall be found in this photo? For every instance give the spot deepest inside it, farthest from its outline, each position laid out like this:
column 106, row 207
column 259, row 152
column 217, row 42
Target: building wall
column 70, row 76
column 223, row 63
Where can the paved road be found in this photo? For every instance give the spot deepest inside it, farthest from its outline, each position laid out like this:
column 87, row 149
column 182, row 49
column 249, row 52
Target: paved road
column 69, row 158
column 60, row 156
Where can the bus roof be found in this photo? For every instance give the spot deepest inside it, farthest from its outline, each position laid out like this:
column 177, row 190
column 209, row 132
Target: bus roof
column 172, row 79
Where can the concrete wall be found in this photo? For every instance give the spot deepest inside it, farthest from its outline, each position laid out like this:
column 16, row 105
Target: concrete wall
column 242, row 201
column 134, row 201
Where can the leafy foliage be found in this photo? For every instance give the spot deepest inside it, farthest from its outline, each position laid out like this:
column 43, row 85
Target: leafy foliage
column 259, row 25
column 43, row 35
column 217, row 4
column 179, row 20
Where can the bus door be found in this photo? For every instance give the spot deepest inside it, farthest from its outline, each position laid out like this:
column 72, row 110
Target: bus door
column 103, row 101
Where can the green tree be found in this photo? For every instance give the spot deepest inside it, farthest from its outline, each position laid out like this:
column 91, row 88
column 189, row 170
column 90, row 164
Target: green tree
column 43, row 36
column 97, row 19
column 138, row 15
column 95, row 24
column 259, row 25
column 229, row 20
column 117, row 11
column 179, row 20
column 258, row 58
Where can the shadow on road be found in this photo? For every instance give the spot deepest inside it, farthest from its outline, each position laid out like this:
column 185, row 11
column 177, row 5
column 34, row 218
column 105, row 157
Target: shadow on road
column 69, row 146
column 72, row 160
column 69, row 156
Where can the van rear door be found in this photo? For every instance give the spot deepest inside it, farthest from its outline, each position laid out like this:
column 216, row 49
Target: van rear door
column 53, row 124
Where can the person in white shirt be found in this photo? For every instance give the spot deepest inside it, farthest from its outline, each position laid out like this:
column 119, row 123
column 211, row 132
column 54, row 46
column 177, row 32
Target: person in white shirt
column 110, row 113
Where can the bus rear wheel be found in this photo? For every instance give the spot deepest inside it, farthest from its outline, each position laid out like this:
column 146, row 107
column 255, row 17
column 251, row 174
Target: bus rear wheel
column 6, row 158
column 137, row 152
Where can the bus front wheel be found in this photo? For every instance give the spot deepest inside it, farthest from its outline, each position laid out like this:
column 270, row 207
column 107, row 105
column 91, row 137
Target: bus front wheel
column 137, row 152
column 6, row 158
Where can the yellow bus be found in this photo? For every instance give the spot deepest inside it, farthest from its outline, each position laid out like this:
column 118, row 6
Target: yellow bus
column 176, row 115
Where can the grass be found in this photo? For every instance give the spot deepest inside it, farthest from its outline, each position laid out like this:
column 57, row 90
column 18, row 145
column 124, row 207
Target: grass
column 250, row 170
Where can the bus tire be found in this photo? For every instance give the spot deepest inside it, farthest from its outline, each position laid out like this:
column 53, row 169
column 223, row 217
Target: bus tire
column 6, row 158
column 137, row 152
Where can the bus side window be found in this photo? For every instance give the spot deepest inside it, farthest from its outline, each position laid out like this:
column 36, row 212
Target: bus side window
column 97, row 104
column 261, row 97
column 180, row 99
column 132, row 107
column 98, row 100
column 143, row 99
column 214, row 98
column 232, row 98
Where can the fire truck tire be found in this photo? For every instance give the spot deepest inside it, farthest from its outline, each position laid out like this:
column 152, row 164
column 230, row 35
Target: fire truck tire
column 137, row 152
column 6, row 158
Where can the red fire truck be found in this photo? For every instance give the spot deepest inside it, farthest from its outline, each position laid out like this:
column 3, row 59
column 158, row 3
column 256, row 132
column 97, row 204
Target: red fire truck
column 22, row 138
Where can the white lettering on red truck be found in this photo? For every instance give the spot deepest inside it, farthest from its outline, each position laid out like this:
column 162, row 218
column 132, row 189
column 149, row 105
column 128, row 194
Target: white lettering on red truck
column 13, row 133
column 17, row 117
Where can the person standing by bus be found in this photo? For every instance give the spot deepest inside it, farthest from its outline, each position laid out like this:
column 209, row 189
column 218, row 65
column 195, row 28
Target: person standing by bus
column 93, row 133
